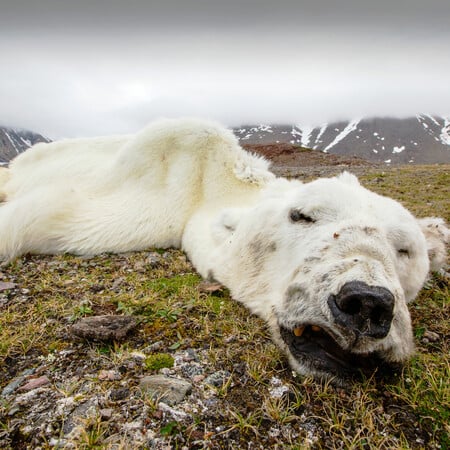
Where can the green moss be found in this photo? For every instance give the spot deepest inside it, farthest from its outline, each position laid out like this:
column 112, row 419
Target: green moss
column 167, row 287
column 158, row 361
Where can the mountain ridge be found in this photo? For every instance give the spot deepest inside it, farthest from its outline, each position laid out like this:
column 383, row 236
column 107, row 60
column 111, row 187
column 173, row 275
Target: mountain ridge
column 423, row 139
column 16, row 140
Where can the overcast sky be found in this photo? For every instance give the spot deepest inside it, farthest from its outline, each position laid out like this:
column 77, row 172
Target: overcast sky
column 78, row 68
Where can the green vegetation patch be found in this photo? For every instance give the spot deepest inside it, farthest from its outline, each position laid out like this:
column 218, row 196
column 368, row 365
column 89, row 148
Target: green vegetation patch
column 158, row 361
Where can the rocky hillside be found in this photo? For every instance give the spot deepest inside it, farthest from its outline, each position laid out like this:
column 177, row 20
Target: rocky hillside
column 423, row 139
column 14, row 141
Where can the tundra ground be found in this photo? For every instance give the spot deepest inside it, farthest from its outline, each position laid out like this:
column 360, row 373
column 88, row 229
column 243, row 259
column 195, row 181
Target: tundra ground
column 60, row 392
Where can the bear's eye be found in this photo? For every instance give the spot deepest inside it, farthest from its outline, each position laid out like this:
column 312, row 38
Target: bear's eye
column 403, row 252
column 297, row 216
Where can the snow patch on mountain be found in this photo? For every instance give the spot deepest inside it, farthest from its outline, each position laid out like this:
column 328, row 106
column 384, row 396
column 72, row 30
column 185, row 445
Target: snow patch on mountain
column 445, row 132
column 345, row 132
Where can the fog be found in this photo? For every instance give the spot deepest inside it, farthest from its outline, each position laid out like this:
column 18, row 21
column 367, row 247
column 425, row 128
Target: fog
column 77, row 69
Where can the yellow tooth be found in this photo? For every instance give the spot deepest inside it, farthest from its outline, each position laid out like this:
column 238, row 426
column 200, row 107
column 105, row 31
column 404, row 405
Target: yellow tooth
column 299, row 331
column 315, row 328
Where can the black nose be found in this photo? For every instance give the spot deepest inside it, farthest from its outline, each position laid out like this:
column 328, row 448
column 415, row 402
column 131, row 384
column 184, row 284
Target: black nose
column 368, row 310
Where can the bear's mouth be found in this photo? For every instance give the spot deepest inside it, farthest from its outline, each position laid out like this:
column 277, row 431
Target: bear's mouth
column 318, row 350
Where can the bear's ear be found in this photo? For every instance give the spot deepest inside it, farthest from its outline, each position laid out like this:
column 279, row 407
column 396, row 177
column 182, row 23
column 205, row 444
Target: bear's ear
column 348, row 178
column 226, row 224
column 437, row 236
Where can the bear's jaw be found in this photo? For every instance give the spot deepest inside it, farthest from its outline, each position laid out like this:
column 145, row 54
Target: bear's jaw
column 314, row 348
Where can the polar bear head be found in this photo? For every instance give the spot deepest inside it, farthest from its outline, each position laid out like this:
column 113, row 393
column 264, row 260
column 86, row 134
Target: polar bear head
column 330, row 265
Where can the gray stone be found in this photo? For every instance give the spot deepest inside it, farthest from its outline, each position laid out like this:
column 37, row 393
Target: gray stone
column 5, row 285
column 103, row 328
column 106, row 413
column 165, row 389
column 119, row 394
column 11, row 387
column 88, row 409
column 218, row 379
column 154, row 260
column 191, row 370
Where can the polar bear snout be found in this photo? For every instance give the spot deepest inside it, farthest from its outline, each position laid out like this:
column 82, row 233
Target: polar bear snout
column 363, row 309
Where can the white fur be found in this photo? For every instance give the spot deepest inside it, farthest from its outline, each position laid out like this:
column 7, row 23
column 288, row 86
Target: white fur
column 188, row 183
column 437, row 236
column 122, row 193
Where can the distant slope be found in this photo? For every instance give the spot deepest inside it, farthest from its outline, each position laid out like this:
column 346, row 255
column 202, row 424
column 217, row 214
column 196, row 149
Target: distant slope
column 14, row 141
column 423, row 139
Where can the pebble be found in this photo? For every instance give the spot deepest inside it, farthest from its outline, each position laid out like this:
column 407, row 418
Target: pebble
column 119, row 394
column 106, row 413
column 156, row 346
column 198, row 379
column 153, row 260
column 218, row 379
column 109, row 375
column 14, row 384
column 78, row 416
column 35, row 383
column 175, row 413
column 136, row 425
column 191, row 370
column 166, row 389
column 103, row 328
column 5, row 285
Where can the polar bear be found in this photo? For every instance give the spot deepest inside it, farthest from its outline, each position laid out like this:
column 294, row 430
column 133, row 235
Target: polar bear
column 328, row 264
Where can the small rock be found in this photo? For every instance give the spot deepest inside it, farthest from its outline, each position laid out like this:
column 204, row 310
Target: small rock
column 106, row 413
column 58, row 443
column 109, row 375
column 83, row 411
column 5, row 285
column 153, row 260
column 138, row 355
column 35, row 383
column 139, row 267
column 156, row 346
column 191, row 370
column 130, row 426
column 431, row 336
column 119, row 394
column 278, row 391
column 165, row 389
column 198, row 378
column 103, row 328
column 190, row 355
column 175, row 413
column 218, row 379
column 12, row 386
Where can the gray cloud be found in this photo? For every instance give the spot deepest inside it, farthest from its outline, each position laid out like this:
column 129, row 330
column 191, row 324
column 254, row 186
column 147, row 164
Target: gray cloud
column 102, row 14
column 79, row 68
